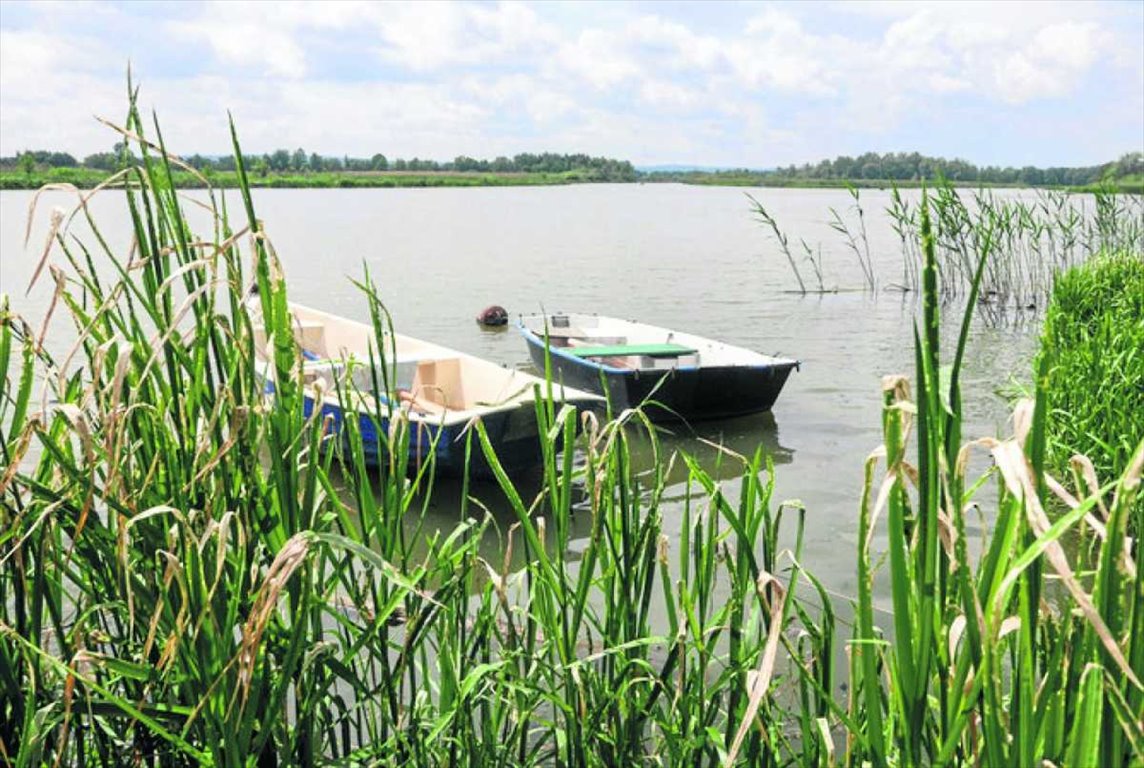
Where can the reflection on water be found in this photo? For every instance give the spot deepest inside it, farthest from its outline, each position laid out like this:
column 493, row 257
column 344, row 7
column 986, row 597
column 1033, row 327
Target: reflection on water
column 672, row 255
column 719, row 448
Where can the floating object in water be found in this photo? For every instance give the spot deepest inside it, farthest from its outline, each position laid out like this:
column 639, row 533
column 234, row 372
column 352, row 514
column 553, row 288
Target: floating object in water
column 437, row 389
column 493, row 316
column 682, row 376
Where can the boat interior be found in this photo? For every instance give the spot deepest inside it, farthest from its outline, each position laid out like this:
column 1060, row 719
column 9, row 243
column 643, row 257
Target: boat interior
column 625, row 344
column 430, row 380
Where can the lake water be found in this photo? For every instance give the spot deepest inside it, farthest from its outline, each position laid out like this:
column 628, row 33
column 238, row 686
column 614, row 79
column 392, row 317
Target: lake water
column 684, row 257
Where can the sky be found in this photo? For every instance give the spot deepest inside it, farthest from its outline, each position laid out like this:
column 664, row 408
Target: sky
column 751, row 85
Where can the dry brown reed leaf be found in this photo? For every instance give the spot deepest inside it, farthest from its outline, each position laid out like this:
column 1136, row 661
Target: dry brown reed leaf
column 58, row 187
column 823, row 726
column 956, row 629
column 123, row 529
column 160, row 602
column 760, row 681
column 65, row 729
column 17, row 548
column 58, row 276
column 288, row 560
column 57, row 218
column 1084, row 466
column 961, row 464
column 1019, row 479
column 133, row 263
column 123, row 352
column 590, row 426
column 16, row 456
column 84, row 198
column 173, row 159
column 182, row 270
column 79, row 422
column 171, row 646
column 868, row 481
column 897, row 384
column 541, row 533
column 948, row 535
column 95, row 368
column 224, row 449
column 208, row 207
column 220, row 531
column 1023, row 419
column 85, row 332
column 1071, row 501
column 721, row 448
column 56, row 226
column 160, row 339
column 883, row 497
column 1130, row 480
column 506, row 562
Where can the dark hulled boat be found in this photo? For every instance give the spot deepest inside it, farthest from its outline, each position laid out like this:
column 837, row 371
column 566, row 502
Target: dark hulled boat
column 676, row 375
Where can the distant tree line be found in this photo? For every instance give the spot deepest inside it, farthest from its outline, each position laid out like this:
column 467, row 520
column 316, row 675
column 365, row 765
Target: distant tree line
column 894, row 166
column 283, row 161
column 902, row 166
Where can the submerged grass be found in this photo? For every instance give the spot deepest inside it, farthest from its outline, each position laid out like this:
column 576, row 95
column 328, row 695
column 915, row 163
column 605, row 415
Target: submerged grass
column 182, row 584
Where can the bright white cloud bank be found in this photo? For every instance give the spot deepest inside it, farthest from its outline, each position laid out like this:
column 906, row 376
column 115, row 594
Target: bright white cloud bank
column 743, row 85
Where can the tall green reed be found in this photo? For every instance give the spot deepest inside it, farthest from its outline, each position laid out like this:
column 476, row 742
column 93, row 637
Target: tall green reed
column 192, row 573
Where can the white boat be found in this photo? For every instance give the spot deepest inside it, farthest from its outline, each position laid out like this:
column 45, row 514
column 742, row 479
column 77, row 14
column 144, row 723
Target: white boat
column 439, row 390
column 675, row 375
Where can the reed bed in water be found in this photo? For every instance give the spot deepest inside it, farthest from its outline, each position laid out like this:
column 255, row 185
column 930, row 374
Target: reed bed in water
column 181, row 582
column 1030, row 241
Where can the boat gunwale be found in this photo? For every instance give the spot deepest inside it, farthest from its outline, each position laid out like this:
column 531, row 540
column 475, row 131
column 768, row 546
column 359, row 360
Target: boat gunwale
column 440, row 416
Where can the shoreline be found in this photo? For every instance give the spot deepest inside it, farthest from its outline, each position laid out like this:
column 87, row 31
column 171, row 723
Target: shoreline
column 85, row 178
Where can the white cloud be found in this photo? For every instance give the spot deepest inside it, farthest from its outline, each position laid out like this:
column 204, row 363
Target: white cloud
column 665, row 94
column 599, row 57
column 683, row 48
column 271, row 39
column 1050, row 66
column 273, row 51
column 427, row 37
column 769, row 84
column 777, row 52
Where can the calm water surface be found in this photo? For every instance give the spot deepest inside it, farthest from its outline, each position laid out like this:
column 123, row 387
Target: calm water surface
column 672, row 255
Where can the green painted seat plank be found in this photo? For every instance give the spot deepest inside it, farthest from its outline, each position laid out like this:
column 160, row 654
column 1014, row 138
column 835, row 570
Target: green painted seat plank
column 622, row 350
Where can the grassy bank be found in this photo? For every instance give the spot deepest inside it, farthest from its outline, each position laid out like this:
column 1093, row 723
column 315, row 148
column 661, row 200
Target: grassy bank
column 1093, row 353
column 188, row 578
column 87, row 178
column 1125, row 185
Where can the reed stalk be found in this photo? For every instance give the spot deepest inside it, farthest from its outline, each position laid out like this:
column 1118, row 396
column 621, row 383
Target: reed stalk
column 194, row 573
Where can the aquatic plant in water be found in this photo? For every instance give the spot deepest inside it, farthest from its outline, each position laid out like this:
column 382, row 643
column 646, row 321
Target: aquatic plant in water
column 1031, row 241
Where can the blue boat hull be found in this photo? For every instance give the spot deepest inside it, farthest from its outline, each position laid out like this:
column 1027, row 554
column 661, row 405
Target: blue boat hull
column 512, row 434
